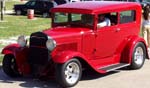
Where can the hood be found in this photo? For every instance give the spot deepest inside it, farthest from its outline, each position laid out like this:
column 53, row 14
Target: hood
column 66, row 34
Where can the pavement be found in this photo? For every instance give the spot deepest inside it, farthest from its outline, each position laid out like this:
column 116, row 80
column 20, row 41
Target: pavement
column 8, row 12
column 122, row 78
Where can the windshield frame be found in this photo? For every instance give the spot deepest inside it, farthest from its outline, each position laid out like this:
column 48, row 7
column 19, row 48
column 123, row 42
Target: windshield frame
column 70, row 23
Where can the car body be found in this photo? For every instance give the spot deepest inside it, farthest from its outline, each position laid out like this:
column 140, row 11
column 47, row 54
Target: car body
column 39, row 6
column 75, row 43
column 142, row 2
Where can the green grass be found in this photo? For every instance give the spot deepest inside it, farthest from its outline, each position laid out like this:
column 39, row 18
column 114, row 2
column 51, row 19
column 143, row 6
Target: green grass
column 20, row 25
column 1, row 58
column 14, row 26
column 10, row 4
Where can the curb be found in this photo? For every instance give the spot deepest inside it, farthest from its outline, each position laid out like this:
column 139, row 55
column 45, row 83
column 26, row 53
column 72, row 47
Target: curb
column 8, row 12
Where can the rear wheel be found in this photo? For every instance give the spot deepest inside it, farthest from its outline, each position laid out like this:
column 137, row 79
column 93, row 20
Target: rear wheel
column 138, row 56
column 10, row 66
column 69, row 73
column 45, row 15
column 18, row 12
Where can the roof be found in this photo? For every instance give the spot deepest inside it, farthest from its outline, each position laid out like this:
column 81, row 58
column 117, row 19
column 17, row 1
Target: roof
column 94, row 6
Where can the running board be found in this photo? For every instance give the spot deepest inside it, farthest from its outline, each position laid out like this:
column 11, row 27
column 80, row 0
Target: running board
column 114, row 67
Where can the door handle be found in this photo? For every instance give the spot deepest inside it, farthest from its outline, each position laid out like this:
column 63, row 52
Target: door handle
column 118, row 29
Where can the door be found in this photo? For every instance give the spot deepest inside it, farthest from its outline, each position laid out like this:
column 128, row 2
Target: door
column 39, row 6
column 108, row 38
column 107, row 41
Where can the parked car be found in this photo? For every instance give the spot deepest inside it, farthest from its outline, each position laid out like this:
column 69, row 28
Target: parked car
column 59, row 2
column 39, row 6
column 145, row 2
column 75, row 43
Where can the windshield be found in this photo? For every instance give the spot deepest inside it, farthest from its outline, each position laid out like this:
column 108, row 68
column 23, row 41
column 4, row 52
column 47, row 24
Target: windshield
column 73, row 19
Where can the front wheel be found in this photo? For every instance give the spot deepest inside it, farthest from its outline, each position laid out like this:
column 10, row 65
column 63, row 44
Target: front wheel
column 10, row 66
column 69, row 73
column 138, row 56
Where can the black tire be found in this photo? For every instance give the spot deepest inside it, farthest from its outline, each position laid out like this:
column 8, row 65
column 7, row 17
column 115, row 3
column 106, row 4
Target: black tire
column 60, row 73
column 140, row 51
column 9, row 66
column 45, row 15
column 18, row 12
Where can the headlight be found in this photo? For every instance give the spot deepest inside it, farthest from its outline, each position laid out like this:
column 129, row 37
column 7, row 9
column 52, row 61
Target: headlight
column 22, row 41
column 50, row 44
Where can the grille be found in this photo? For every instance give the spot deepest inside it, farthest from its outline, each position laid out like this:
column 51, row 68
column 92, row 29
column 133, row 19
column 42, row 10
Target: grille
column 38, row 39
column 38, row 53
column 38, row 56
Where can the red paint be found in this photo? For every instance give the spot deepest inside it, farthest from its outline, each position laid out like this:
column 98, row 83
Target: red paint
column 97, row 47
column 30, row 13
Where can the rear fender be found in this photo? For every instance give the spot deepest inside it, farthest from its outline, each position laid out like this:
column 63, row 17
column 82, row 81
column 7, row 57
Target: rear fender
column 127, row 52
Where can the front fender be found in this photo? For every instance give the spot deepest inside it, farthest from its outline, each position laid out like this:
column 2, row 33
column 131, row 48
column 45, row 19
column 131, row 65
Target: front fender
column 64, row 56
column 21, row 55
column 10, row 49
column 127, row 53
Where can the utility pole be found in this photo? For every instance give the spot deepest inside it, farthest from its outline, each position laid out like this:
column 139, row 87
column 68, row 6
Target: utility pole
column 2, row 9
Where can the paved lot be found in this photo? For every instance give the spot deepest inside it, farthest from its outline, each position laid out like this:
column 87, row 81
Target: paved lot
column 120, row 79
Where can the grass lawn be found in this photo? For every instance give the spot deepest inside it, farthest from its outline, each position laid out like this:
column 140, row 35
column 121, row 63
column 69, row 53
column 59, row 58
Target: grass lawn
column 20, row 25
column 14, row 26
column 1, row 58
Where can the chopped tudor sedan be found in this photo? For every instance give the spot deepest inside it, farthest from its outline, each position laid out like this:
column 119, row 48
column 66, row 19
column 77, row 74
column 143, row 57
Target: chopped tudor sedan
column 75, row 42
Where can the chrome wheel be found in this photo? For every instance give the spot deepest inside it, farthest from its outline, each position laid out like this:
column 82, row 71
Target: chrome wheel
column 138, row 56
column 13, row 64
column 69, row 73
column 72, row 73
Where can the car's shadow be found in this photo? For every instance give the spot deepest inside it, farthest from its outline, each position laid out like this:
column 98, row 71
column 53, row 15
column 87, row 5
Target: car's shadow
column 29, row 82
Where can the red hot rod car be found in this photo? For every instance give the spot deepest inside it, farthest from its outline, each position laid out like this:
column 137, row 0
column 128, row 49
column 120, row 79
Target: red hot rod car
column 75, row 42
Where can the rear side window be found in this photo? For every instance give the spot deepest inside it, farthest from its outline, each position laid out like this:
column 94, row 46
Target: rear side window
column 127, row 16
column 31, row 3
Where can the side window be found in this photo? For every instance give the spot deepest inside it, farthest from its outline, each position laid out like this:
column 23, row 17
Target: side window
column 113, row 18
column 107, row 19
column 32, row 3
column 39, row 4
column 48, row 5
column 127, row 16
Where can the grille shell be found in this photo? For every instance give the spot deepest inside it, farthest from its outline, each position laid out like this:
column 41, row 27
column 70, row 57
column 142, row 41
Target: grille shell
column 38, row 39
column 38, row 53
